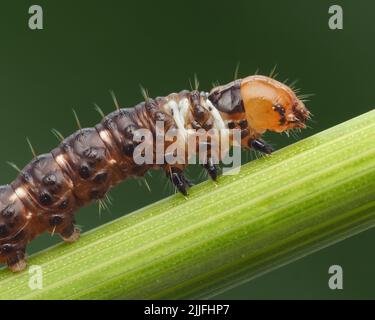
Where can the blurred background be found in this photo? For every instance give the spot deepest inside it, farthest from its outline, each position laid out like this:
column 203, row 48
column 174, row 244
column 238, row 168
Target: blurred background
column 90, row 47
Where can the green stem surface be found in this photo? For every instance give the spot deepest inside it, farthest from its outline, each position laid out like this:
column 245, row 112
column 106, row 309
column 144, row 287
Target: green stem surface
column 277, row 209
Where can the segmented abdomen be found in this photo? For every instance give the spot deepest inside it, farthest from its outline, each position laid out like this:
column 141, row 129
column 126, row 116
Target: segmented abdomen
column 83, row 168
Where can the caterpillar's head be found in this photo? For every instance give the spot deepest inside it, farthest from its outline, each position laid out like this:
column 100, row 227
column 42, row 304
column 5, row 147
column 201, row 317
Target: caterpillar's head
column 267, row 103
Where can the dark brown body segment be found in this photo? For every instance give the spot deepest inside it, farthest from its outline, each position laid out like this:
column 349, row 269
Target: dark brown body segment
column 81, row 170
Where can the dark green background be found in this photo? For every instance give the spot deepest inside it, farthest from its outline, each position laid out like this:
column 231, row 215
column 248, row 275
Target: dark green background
column 89, row 47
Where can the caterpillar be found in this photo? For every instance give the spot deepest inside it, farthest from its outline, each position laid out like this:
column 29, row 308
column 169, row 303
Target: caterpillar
column 49, row 190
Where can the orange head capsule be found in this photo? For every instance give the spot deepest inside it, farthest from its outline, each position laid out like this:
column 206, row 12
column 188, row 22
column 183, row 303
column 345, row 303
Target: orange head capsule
column 271, row 105
column 262, row 102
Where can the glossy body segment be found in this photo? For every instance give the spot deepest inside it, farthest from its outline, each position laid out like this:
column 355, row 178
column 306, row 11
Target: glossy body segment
column 81, row 170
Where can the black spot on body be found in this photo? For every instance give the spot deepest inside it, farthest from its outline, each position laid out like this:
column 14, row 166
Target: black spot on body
column 49, row 180
column 231, row 125
column 55, row 220
column 64, row 204
column 84, row 172
column 129, row 131
column 3, row 230
column 108, row 124
column 45, row 199
column 101, row 177
column 128, row 149
column 6, row 248
column 243, row 124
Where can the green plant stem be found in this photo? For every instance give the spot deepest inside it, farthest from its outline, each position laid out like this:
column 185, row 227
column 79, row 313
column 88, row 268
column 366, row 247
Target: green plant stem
column 277, row 209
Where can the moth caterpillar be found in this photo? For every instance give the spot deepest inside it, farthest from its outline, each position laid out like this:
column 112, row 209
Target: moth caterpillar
column 81, row 170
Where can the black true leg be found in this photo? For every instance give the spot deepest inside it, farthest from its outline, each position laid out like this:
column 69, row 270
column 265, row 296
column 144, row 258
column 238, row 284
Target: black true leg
column 261, row 146
column 211, row 169
column 179, row 180
column 187, row 181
